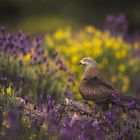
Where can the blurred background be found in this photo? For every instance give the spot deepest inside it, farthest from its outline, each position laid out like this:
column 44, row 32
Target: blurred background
column 46, row 15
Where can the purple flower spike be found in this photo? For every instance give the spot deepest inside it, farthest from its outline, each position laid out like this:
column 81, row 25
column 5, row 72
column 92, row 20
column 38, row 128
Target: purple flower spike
column 54, row 54
column 132, row 104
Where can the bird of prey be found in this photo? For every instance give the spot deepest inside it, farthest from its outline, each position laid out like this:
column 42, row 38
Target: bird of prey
column 92, row 87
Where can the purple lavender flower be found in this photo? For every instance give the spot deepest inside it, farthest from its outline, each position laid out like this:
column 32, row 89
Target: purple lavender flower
column 54, row 54
column 132, row 104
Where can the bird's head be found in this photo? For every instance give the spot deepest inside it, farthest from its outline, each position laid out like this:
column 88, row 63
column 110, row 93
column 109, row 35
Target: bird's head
column 92, row 69
column 87, row 61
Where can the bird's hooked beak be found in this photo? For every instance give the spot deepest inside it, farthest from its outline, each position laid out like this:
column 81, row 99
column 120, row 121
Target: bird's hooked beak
column 81, row 62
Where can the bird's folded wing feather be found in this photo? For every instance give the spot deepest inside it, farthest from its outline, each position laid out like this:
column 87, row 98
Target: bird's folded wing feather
column 102, row 88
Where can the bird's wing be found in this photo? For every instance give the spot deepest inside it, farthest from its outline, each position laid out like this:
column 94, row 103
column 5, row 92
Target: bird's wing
column 105, row 83
column 102, row 88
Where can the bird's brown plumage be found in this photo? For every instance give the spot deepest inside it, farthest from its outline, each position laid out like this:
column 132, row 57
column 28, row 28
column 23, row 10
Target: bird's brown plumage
column 97, row 90
column 94, row 88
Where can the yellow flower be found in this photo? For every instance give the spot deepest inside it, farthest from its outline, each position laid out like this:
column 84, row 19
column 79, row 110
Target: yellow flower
column 49, row 40
column 97, row 42
column 62, row 34
column 121, row 54
column 90, row 29
column 75, row 59
column 109, row 43
column 27, row 57
column 116, row 46
column 121, row 67
column 87, row 44
column 73, row 49
column 9, row 90
column 97, row 51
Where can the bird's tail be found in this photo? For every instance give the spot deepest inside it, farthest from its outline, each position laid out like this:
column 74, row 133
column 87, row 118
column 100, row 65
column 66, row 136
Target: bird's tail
column 130, row 99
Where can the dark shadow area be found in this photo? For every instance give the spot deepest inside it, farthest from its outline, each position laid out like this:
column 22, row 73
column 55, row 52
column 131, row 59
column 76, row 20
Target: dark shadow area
column 28, row 13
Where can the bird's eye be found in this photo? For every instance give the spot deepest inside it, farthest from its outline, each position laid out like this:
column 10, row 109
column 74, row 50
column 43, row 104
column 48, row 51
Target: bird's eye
column 86, row 60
